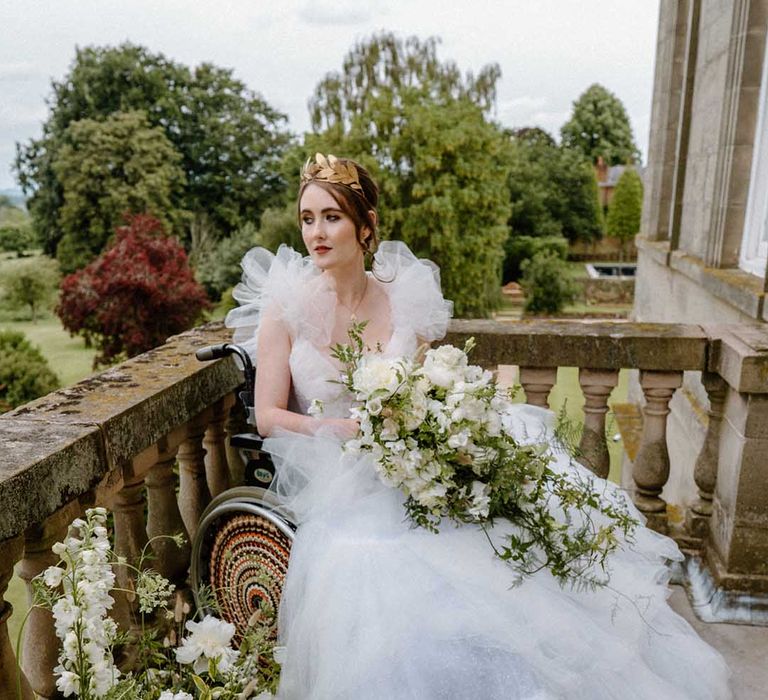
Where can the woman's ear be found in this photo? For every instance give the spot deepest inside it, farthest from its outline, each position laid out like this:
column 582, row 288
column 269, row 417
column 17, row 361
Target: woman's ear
column 374, row 217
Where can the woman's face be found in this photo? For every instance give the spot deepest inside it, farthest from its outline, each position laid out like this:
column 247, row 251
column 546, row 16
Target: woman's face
column 328, row 232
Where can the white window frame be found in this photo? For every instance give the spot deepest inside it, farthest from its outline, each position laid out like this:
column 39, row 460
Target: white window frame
column 754, row 242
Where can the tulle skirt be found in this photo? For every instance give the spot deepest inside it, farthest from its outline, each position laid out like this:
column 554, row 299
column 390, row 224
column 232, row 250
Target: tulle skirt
column 374, row 609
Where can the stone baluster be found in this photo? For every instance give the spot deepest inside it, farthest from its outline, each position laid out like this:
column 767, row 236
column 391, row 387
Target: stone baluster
column 215, row 444
column 651, row 468
column 164, row 517
column 40, row 648
column 705, row 471
column 194, row 495
column 597, row 386
column 11, row 676
column 537, row 383
column 236, row 423
column 130, row 541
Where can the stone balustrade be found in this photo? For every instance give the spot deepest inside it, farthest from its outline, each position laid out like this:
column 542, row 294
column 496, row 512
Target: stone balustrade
column 115, row 439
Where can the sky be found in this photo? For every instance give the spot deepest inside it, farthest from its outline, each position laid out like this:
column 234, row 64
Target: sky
column 549, row 51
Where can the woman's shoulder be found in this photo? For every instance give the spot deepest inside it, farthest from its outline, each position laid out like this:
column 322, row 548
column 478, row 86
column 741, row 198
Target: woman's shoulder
column 277, row 284
column 413, row 285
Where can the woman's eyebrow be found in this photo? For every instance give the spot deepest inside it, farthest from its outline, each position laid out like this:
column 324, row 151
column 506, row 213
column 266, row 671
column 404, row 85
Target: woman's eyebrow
column 322, row 211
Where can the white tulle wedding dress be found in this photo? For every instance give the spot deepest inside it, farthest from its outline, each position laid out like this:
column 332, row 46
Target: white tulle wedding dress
column 376, row 610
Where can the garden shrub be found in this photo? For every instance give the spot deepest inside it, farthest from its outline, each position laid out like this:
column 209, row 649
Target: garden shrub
column 521, row 248
column 24, row 372
column 546, row 283
column 30, row 284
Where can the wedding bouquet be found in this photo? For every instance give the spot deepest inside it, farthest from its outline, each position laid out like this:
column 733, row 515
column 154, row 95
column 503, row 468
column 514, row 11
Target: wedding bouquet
column 203, row 665
column 441, row 430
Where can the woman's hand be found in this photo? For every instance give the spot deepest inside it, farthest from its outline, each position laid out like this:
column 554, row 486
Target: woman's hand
column 342, row 428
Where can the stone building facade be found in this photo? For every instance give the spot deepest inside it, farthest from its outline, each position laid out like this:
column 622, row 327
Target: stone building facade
column 702, row 251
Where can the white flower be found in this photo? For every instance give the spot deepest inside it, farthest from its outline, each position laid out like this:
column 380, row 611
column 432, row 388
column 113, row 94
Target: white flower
column 209, row 639
column 315, row 408
column 374, row 406
column 431, row 496
column 67, row 681
column 444, row 366
column 480, row 495
column 170, row 695
column 52, row 576
column 460, row 439
column 376, row 373
column 389, row 430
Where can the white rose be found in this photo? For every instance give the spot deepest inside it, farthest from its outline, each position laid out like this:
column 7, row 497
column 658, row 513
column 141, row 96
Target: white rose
column 376, row 373
column 444, row 366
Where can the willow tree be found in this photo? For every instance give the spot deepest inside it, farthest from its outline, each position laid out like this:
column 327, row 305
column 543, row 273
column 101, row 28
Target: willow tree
column 423, row 129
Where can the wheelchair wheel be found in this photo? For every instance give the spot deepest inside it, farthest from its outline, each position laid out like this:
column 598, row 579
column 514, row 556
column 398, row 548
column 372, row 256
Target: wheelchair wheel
column 240, row 558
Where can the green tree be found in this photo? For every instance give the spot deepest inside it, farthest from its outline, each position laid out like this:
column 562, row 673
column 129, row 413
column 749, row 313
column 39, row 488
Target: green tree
column 546, row 283
column 30, row 284
column 24, row 372
column 220, row 270
column 625, row 209
column 15, row 239
column 599, row 126
column 229, row 139
column 108, row 169
column 442, row 167
column 553, row 192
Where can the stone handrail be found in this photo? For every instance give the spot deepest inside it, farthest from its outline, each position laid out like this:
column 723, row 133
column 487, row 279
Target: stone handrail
column 114, row 438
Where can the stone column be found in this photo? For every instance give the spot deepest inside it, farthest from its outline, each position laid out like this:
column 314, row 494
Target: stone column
column 164, row 517
column 194, row 494
column 40, row 649
column 215, row 444
column 651, row 469
column 537, row 383
column 705, row 471
column 11, row 676
column 597, row 386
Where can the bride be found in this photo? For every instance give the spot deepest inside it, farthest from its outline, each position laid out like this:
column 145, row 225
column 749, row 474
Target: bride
column 373, row 609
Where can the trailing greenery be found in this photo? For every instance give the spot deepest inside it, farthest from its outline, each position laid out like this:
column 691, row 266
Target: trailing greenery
column 599, row 127
column 546, row 283
column 625, row 210
column 228, row 139
column 30, row 284
column 24, row 373
column 422, row 129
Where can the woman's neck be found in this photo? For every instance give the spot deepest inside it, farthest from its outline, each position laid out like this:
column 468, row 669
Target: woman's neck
column 350, row 284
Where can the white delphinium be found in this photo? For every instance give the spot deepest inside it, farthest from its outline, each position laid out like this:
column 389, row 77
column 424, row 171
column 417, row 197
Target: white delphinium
column 210, row 639
column 85, row 663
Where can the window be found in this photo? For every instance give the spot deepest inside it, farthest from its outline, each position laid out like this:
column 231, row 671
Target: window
column 754, row 245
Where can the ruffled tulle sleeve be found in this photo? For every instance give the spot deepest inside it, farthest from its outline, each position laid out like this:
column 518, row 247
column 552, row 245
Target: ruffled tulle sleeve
column 414, row 291
column 274, row 284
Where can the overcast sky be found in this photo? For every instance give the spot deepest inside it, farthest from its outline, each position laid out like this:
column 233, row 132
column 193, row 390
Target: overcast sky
column 549, row 51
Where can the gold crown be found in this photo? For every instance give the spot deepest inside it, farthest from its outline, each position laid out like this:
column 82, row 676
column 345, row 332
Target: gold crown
column 331, row 169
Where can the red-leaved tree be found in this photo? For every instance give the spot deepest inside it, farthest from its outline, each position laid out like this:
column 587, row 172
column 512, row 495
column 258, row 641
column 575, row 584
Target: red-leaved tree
column 139, row 291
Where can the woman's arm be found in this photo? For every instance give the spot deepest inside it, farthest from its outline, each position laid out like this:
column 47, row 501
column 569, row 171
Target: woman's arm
column 273, row 387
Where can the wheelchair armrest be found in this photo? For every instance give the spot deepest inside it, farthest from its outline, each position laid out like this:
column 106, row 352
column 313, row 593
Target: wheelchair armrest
column 246, row 441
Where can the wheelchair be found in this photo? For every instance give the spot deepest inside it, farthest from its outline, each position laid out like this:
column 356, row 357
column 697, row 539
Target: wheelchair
column 241, row 549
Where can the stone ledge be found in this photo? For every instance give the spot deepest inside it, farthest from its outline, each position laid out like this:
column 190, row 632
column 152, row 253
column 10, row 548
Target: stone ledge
column 595, row 345
column 58, row 447
column 657, row 250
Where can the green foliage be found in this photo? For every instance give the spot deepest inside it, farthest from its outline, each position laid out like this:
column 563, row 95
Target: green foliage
column 30, row 284
column 546, row 283
column 553, row 189
column 280, row 225
column 24, row 373
column 107, row 169
column 420, row 127
column 600, row 126
column 521, row 248
column 228, row 138
column 220, row 270
column 623, row 220
column 16, row 239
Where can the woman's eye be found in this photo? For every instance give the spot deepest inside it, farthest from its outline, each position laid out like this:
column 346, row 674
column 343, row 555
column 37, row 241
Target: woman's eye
column 332, row 217
column 307, row 220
